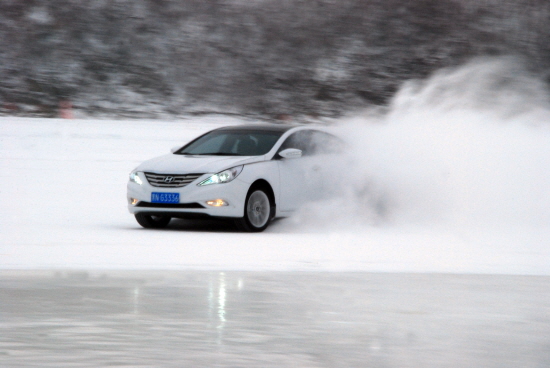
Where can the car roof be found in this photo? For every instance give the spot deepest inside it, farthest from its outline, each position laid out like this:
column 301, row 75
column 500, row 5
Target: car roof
column 260, row 127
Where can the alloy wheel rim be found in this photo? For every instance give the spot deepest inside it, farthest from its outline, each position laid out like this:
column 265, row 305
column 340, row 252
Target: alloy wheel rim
column 258, row 209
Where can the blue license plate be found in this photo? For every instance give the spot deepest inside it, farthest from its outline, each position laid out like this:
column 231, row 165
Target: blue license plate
column 165, row 197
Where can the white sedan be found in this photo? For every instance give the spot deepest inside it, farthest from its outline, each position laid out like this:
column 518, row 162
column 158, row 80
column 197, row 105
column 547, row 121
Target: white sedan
column 248, row 173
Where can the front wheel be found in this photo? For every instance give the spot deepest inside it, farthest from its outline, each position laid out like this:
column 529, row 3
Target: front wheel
column 258, row 212
column 152, row 221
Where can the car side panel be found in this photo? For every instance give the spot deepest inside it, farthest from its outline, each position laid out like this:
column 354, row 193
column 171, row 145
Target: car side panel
column 301, row 181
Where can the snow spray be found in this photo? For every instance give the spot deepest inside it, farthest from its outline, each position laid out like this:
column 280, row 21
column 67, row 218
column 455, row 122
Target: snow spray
column 467, row 148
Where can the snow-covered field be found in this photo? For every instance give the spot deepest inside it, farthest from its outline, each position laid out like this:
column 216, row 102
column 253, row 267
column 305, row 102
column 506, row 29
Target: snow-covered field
column 63, row 206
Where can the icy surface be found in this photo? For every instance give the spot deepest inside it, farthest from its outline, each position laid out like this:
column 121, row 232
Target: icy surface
column 273, row 319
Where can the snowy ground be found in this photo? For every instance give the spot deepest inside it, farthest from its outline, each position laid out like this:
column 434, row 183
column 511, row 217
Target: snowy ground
column 63, row 206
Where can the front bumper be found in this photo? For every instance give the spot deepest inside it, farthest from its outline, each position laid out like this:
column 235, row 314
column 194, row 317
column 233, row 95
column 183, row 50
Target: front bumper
column 192, row 198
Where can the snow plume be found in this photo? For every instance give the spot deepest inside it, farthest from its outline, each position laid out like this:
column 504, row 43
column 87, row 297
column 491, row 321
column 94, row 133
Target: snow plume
column 466, row 149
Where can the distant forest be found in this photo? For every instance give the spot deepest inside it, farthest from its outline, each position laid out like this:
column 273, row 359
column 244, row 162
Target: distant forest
column 270, row 59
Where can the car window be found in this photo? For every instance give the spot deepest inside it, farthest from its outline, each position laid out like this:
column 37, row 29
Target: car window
column 232, row 143
column 299, row 140
column 313, row 142
column 212, row 144
column 324, row 143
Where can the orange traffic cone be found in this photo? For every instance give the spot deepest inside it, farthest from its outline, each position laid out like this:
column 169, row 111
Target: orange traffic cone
column 66, row 109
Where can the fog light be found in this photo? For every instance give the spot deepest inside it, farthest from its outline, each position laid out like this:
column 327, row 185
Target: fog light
column 217, row 203
column 133, row 201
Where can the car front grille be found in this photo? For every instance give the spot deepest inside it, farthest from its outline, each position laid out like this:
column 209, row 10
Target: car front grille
column 170, row 180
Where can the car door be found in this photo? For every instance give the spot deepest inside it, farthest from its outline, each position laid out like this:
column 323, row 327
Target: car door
column 327, row 152
column 300, row 178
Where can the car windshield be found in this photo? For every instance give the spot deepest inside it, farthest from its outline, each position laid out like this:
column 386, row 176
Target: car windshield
column 232, row 143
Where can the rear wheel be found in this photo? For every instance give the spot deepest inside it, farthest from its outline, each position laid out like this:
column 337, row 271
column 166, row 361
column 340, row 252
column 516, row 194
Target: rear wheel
column 258, row 212
column 152, row 221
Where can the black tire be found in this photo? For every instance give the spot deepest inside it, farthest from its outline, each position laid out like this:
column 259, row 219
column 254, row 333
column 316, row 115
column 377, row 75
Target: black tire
column 152, row 221
column 258, row 211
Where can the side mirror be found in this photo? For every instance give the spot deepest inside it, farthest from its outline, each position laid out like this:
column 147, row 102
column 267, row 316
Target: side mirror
column 290, row 153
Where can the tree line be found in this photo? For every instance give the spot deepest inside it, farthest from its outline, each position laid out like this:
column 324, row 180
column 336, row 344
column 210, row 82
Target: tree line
column 265, row 58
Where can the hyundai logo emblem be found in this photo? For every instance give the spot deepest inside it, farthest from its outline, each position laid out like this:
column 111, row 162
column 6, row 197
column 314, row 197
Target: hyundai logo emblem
column 168, row 179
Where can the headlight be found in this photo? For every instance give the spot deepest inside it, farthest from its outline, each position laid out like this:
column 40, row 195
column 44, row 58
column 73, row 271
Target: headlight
column 135, row 178
column 223, row 177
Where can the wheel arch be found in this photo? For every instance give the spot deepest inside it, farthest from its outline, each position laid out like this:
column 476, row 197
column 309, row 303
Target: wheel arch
column 264, row 184
column 244, row 223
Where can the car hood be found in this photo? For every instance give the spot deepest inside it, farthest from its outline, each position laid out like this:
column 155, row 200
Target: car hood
column 196, row 164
